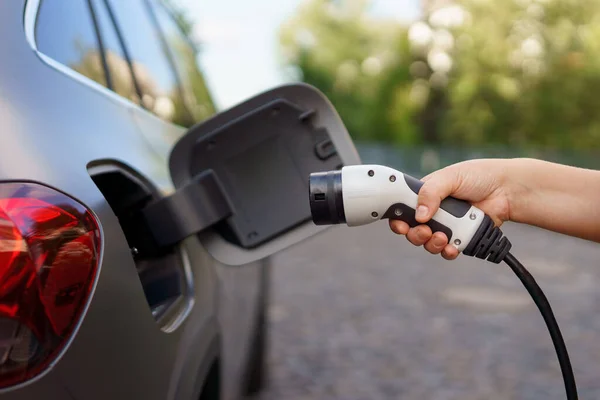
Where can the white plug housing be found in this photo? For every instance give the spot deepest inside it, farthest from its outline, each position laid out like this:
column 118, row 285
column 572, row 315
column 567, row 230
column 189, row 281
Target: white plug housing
column 370, row 190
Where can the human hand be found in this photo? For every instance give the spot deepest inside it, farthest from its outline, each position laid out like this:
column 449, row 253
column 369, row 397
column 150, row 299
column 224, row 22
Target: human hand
column 482, row 182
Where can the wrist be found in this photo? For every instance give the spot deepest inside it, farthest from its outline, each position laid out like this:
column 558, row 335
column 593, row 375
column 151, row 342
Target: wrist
column 519, row 185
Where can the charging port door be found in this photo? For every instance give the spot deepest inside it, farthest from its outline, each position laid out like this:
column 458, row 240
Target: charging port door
column 242, row 176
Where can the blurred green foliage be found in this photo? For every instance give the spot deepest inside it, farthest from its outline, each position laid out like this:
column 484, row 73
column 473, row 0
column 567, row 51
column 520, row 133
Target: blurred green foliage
column 518, row 73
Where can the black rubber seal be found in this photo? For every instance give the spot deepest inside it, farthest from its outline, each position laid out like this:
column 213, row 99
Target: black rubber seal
column 473, row 246
column 488, row 242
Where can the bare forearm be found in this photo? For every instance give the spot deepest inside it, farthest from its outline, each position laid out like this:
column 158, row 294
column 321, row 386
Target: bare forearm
column 556, row 197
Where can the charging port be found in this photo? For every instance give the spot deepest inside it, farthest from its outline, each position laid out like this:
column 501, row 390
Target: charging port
column 161, row 270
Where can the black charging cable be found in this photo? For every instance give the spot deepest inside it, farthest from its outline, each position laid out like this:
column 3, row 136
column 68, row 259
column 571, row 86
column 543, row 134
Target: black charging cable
column 490, row 244
column 543, row 305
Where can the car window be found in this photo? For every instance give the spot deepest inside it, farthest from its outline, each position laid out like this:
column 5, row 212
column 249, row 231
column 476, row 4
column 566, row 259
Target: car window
column 119, row 73
column 65, row 32
column 152, row 69
column 183, row 54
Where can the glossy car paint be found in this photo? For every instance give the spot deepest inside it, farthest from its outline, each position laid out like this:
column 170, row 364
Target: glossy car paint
column 53, row 125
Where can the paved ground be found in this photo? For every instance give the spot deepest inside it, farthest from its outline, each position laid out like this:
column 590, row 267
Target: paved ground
column 358, row 313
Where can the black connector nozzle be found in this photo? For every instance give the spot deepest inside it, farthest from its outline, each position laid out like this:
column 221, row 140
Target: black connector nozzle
column 326, row 200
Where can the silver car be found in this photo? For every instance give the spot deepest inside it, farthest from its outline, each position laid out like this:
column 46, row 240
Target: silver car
column 136, row 221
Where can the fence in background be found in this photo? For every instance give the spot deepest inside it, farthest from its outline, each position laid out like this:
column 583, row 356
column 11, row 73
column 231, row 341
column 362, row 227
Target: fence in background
column 419, row 161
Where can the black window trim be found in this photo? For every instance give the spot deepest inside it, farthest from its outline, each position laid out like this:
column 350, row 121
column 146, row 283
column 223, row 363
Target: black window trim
column 165, row 51
column 124, row 48
column 100, row 42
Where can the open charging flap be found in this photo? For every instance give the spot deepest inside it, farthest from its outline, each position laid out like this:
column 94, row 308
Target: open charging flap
column 242, row 176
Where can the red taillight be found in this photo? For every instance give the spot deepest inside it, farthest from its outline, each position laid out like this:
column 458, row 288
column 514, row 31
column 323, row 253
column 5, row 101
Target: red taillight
column 49, row 249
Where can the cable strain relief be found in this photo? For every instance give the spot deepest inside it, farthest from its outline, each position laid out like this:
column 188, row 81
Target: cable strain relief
column 488, row 243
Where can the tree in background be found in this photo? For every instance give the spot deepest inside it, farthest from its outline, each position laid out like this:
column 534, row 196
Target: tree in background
column 518, row 72
column 360, row 63
column 526, row 73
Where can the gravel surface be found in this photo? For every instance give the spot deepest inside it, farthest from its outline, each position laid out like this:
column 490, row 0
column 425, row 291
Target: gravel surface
column 358, row 313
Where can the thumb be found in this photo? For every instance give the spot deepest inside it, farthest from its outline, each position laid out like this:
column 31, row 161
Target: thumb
column 437, row 187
